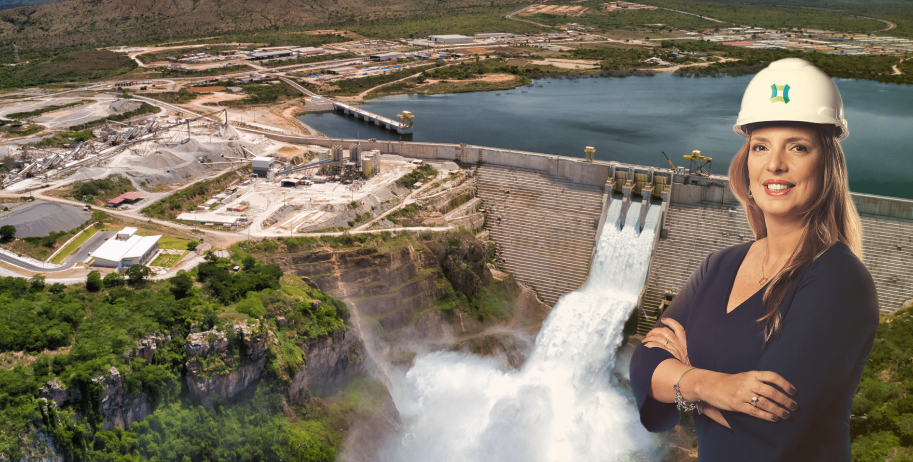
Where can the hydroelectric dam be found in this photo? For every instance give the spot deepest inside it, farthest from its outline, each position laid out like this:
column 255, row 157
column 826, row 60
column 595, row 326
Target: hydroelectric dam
column 545, row 213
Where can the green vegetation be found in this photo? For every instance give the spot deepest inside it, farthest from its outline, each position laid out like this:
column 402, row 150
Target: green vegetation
column 264, row 93
column 882, row 420
column 615, row 58
column 309, row 59
column 187, row 199
column 174, row 97
column 7, row 232
column 101, row 191
column 406, row 212
column 50, row 66
column 174, row 243
column 72, row 246
column 26, row 130
column 100, row 324
column 876, row 68
column 59, row 139
column 37, row 112
column 422, row 173
column 145, row 108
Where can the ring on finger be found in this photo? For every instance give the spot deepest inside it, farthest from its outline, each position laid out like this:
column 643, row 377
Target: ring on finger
column 754, row 401
column 667, row 342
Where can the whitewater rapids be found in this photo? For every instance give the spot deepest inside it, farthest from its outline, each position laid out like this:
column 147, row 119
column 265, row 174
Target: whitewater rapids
column 564, row 404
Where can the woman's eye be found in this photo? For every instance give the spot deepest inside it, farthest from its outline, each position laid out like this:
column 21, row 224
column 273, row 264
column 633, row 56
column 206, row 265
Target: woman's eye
column 800, row 148
column 758, row 147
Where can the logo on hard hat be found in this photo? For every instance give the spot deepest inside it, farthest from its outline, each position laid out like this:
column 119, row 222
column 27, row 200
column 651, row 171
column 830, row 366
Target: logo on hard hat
column 780, row 93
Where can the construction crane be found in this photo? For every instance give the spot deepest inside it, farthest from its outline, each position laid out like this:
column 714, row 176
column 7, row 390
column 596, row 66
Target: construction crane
column 671, row 165
column 590, row 153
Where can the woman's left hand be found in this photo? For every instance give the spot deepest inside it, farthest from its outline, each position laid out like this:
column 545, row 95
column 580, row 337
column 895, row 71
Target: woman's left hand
column 673, row 341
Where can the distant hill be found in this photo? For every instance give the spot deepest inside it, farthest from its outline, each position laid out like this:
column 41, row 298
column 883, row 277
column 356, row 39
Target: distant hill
column 116, row 22
column 7, row 4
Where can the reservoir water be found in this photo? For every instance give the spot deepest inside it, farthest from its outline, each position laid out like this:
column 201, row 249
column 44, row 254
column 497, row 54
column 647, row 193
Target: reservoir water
column 566, row 403
column 633, row 119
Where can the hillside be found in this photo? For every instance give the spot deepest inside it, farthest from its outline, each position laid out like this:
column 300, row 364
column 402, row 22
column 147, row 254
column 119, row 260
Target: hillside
column 115, row 22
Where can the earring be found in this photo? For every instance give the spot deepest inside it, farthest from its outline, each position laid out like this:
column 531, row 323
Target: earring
column 750, row 196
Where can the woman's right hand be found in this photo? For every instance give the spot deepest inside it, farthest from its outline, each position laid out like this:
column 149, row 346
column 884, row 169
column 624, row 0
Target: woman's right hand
column 734, row 392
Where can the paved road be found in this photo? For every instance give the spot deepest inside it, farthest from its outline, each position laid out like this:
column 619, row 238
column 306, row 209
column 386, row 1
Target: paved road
column 94, row 242
column 30, row 267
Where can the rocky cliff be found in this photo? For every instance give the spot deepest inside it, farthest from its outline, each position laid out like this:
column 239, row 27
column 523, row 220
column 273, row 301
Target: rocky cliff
column 118, row 408
column 221, row 364
column 330, row 363
column 403, row 294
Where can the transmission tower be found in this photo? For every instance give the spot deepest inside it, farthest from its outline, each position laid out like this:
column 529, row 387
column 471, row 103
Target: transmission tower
column 16, row 52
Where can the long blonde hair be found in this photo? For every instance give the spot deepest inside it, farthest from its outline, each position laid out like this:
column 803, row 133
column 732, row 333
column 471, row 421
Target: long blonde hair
column 830, row 219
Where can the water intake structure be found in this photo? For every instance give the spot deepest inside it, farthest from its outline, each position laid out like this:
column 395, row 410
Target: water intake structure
column 565, row 403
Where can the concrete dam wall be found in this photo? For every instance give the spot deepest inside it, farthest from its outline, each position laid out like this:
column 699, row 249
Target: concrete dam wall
column 543, row 211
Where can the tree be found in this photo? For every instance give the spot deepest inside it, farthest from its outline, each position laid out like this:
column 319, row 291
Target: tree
column 7, row 232
column 192, row 245
column 181, row 285
column 37, row 283
column 112, row 280
column 137, row 273
column 99, row 216
column 93, row 281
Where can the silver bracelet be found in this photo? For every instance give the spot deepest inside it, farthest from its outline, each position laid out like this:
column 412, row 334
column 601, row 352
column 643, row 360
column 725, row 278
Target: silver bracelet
column 680, row 402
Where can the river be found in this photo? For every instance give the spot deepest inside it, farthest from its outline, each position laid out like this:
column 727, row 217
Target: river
column 634, row 119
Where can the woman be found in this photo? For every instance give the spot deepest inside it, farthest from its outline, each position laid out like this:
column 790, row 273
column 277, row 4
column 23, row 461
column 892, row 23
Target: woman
column 779, row 329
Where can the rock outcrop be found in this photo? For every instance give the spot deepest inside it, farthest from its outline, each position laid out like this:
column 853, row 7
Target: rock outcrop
column 118, row 408
column 219, row 365
column 54, row 391
column 330, row 363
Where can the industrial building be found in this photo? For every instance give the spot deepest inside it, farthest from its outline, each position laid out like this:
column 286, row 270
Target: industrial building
column 387, row 56
column 262, row 165
column 212, row 218
column 125, row 250
column 256, row 56
column 126, row 198
column 451, row 38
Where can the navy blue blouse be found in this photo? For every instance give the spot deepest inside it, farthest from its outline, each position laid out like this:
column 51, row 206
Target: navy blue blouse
column 830, row 316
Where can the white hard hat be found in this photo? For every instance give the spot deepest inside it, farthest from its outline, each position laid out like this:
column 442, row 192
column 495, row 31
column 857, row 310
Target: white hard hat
column 792, row 90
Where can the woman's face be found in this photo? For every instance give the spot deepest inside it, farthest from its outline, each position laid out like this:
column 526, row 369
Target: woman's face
column 784, row 169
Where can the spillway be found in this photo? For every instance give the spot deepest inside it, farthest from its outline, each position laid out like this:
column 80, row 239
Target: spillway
column 564, row 403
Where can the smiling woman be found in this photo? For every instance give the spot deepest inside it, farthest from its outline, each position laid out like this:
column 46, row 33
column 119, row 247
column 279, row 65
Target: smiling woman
column 778, row 330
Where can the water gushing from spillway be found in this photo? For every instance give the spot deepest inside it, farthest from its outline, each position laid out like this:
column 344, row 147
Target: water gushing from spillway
column 564, row 403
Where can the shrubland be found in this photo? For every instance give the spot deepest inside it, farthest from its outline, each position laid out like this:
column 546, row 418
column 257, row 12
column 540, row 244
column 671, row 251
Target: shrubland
column 74, row 334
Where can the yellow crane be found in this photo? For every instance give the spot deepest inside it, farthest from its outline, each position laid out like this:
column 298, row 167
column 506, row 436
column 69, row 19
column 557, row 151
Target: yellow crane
column 589, row 153
column 405, row 118
column 698, row 164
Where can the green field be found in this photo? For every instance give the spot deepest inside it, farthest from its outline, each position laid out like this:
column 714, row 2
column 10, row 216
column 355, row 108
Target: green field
column 71, row 247
column 174, row 243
